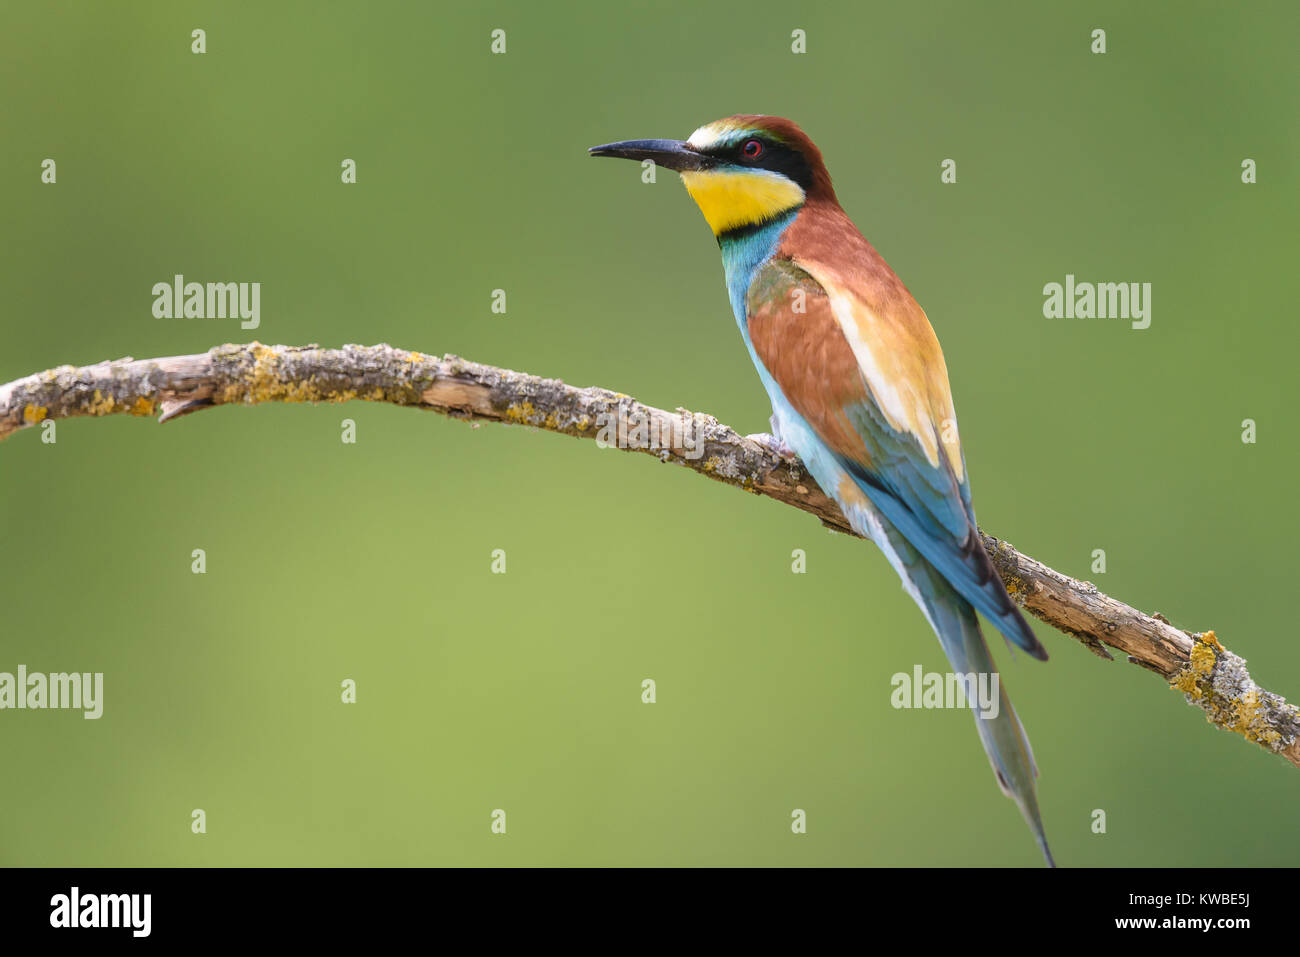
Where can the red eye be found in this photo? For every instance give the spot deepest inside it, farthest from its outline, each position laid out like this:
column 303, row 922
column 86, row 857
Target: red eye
column 752, row 149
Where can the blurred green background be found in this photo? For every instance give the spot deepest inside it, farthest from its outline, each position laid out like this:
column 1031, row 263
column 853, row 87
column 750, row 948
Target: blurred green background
column 371, row 561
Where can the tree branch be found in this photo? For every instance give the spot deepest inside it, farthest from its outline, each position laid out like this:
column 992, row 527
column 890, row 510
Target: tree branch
column 1210, row 676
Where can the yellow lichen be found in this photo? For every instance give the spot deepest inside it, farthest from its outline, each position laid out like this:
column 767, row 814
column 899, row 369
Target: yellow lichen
column 263, row 384
column 142, row 406
column 1245, row 712
column 1185, row 681
column 1250, row 720
column 1199, row 668
column 34, row 413
column 101, row 404
column 520, row 412
column 1215, row 680
column 1203, row 657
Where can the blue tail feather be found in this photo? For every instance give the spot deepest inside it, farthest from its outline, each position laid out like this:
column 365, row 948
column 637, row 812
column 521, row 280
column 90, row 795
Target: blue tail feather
column 966, row 567
column 1004, row 739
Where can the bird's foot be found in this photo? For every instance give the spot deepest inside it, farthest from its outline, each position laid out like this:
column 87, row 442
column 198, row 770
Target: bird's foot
column 773, row 444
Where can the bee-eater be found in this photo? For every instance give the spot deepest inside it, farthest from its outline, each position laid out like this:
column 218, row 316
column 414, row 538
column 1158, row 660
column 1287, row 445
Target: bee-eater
column 859, row 389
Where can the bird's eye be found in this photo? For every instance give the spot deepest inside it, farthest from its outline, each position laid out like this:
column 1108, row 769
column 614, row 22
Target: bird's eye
column 752, row 149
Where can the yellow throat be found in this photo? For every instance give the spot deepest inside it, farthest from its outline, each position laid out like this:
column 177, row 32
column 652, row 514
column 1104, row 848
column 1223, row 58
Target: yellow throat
column 732, row 199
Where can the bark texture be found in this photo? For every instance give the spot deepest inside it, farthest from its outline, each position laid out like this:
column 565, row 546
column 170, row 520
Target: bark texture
column 1194, row 663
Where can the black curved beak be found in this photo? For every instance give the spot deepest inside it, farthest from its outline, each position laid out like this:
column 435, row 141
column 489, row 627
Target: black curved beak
column 670, row 154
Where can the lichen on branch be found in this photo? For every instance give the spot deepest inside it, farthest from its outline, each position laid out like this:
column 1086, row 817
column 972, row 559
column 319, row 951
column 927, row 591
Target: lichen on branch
column 1210, row 676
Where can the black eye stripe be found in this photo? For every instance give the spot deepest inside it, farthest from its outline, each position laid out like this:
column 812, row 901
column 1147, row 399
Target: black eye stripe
column 774, row 155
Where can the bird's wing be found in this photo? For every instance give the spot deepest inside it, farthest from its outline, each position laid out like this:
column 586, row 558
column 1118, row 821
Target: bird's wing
column 871, row 383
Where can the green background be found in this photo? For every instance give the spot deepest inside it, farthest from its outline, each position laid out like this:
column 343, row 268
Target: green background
column 371, row 561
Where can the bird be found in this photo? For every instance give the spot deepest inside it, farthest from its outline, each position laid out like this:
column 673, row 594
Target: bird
column 859, row 390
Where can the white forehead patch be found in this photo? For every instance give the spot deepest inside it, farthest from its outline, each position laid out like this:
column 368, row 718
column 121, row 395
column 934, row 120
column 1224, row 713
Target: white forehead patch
column 707, row 136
